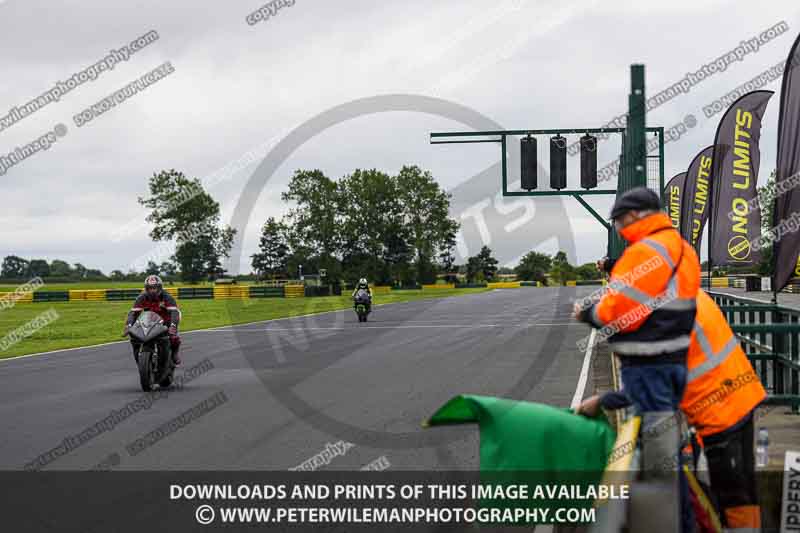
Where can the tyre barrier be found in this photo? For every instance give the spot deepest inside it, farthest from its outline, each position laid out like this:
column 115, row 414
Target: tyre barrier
column 51, row 296
column 123, row 294
column 94, row 295
column 323, row 290
column 228, row 292
column 294, row 291
column 192, row 293
column 382, row 289
column 265, row 292
column 505, row 285
column 222, row 292
column 408, row 288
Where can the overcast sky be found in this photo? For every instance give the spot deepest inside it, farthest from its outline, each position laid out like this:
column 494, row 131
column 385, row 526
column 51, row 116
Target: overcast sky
column 237, row 90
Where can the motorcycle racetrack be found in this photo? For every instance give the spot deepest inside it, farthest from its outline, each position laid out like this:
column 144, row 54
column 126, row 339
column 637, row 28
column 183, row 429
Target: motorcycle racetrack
column 316, row 392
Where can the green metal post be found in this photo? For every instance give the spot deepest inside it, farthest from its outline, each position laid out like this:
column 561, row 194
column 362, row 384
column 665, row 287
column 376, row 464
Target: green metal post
column 637, row 141
column 504, row 158
column 661, row 163
column 591, row 210
column 633, row 160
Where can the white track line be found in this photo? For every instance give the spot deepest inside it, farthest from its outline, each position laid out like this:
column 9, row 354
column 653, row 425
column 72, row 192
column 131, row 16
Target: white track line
column 218, row 328
column 587, row 357
column 407, row 326
column 359, row 328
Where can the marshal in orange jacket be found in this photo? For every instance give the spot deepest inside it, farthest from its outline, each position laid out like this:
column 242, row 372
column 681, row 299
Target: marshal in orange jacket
column 648, row 310
column 722, row 387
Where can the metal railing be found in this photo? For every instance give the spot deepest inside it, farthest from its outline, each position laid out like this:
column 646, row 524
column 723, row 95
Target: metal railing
column 770, row 335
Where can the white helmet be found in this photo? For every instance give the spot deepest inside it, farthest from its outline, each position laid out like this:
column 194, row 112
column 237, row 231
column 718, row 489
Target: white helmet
column 362, row 282
column 153, row 282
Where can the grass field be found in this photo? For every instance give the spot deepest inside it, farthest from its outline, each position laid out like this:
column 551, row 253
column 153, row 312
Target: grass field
column 87, row 323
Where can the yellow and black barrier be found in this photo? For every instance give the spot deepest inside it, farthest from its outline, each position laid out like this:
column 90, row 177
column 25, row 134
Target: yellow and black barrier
column 381, row 289
column 216, row 292
column 504, row 285
column 294, row 291
column 438, row 286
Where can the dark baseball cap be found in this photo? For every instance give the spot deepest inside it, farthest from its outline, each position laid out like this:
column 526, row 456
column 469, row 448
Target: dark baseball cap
column 637, row 199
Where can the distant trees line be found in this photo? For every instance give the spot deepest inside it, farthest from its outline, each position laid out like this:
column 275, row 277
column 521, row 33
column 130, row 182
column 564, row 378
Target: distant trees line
column 15, row 267
column 390, row 229
column 480, row 268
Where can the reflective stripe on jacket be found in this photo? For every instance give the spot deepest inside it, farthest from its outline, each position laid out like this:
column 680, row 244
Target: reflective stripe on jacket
column 649, row 307
column 722, row 387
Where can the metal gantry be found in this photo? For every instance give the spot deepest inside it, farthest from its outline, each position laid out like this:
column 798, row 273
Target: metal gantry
column 633, row 169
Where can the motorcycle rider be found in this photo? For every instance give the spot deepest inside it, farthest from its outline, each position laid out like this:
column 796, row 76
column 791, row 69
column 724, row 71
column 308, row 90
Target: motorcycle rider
column 363, row 285
column 156, row 299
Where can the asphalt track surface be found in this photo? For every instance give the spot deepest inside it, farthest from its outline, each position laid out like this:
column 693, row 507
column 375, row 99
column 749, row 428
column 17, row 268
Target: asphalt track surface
column 280, row 392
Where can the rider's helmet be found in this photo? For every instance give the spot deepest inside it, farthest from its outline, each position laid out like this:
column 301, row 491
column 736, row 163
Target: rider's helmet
column 362, row 283
column 153, row 285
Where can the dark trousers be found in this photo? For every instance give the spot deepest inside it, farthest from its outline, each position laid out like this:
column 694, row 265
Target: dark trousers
column 731, row 467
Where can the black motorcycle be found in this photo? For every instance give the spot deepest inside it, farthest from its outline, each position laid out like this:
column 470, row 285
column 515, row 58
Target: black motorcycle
column 363, row 302
column 155, row 354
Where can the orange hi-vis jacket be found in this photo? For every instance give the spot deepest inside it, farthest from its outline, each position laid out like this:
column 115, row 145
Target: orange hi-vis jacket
column 722, row 387
column 648, row 311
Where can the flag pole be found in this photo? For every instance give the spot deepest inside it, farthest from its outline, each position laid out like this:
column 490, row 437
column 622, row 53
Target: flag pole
column 710, row 221
column 774, row 249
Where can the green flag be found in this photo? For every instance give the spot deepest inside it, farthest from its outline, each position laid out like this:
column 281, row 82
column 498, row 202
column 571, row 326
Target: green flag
column 525, row 436
column 536, row 445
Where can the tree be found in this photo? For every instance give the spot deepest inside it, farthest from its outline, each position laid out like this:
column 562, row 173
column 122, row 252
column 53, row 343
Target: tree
column 587, row 271
column 39, row 267
column 534, row 266
column 79, row 270
column 94, row 273
column 474, row 272
column 488, row 263
column 447, row 254
column 168, row 268
column 561, row 270
column 314, row 216
column 481, row 267
column 371, row 223
column 183, row 211
column 152, row 269
column 190, row 258
column 178, row 204
column 271, row 259
column 117, row 275
column 14, row 267
column 397, row 256
column 59, row 268
column 314, row 220
column 220, row 242
column 425, row 210
column 374, row 239
column 766, row 200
